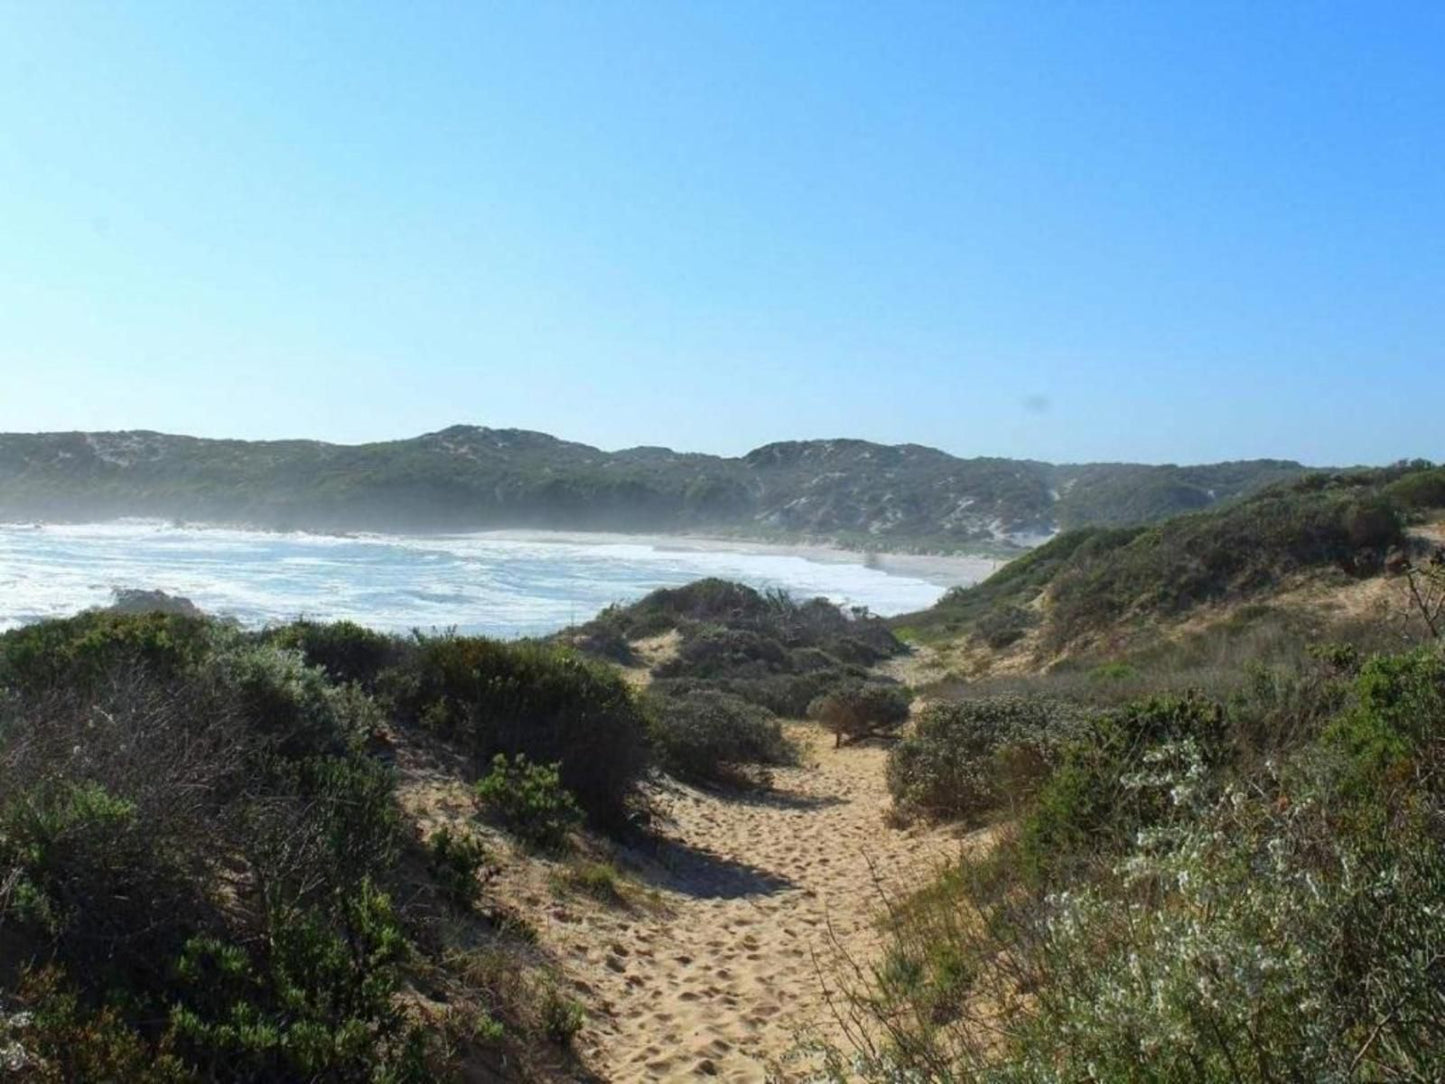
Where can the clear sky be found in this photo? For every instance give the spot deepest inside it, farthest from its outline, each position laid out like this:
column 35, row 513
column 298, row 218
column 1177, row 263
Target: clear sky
column 1070, row 231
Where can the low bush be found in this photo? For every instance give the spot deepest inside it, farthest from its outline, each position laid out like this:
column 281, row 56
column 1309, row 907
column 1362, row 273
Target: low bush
column 193, row 859
column 344, row 650
column 709, row 736
column 1006, row 625
column 546, row 703
column 1086, row 810
column 458, row 863
column 970, row 757
column 716, row 651
column 73, row 653
column 860, row 711
column 530, row 801
column 561, row 1017
column 599, row 880
column 766, row 648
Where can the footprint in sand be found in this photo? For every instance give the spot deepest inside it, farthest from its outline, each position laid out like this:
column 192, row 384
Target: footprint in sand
column 732, row 974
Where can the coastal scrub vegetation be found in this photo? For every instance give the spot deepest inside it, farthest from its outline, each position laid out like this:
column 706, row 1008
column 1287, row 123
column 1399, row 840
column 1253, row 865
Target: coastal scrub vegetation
column 744, row 660
column 205, row 870
column 1096, row 580
column 205, row 873
column 1233, row 883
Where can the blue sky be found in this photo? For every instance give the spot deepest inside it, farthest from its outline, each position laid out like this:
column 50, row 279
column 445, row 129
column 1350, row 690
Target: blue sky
column 1068, row 231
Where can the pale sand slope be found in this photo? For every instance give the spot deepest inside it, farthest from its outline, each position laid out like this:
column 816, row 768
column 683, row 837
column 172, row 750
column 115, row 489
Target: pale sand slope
column 716, row 979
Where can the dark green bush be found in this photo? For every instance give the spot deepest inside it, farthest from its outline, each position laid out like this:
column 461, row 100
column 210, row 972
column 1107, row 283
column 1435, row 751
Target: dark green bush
column 547, row 703
column 79, row 650
column 715, row 652
column 530, row 800
column 970, row 757
column 786, row 695
column 345, row 650
column 1419, row 490
column 193, row 850
column 321, row 1006
column 857, row 711
column 709, row 736
column 766, row 648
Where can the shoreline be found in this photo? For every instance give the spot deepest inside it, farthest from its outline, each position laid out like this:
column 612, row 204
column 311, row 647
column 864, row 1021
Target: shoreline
column 942, row 570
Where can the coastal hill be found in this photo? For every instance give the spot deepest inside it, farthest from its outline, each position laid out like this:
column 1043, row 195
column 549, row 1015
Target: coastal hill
column 465, row 477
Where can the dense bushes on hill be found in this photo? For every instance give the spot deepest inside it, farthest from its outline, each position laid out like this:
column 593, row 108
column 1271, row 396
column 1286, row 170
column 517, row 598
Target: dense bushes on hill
column 1094, row 579
column 852, row 491
column 1418, row 490
column 742, row 658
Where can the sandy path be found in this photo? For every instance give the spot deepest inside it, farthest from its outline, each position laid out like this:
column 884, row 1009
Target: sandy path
column 714, row 979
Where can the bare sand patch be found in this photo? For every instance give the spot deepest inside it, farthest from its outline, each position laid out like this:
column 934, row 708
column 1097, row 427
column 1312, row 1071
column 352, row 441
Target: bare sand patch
column 716, row 974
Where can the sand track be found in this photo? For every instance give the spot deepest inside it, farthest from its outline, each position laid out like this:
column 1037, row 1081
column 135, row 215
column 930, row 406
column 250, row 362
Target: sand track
column 716, row 976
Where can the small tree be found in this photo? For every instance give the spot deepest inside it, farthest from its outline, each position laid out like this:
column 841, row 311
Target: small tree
column 1425, row 582
column 861, row 711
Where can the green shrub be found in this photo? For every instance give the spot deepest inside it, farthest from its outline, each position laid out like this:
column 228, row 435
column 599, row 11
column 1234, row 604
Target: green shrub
column 291, row 705
column 785, row 695
column 969, row 757
column 561, row 1016
column 709, row 736
column 458, row 862
column 321, row 1005
column 717, row 651
column 1087, row 809
column 345, row 650
column 83, row 649
column 547, row 703
column 1006, row 625
column 1419, row 490
column 600, row 880
column 1395, row 712
column 858, row 711
column 57, row 1038
column 1173, row 909
column 529, row 800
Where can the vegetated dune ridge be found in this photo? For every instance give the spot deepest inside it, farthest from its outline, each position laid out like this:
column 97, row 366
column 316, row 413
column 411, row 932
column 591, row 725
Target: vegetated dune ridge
column 854, row 492
column 718, row 965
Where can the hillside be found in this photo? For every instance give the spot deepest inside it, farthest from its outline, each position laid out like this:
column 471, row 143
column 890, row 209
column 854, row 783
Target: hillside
column 1102, row 592
column 1207, row 759
column 848, row 491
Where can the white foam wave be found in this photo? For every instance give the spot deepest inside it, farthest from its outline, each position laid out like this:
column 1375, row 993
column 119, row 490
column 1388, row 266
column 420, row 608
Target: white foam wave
column 496, row 583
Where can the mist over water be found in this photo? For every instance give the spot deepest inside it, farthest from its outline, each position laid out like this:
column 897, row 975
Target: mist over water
column 498, row 584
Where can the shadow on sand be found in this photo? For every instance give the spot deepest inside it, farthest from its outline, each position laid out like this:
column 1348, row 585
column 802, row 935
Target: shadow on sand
column 780, row 799
column 671, row 864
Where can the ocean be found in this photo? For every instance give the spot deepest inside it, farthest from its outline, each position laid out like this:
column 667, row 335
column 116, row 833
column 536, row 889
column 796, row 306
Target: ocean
column 503, row 584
